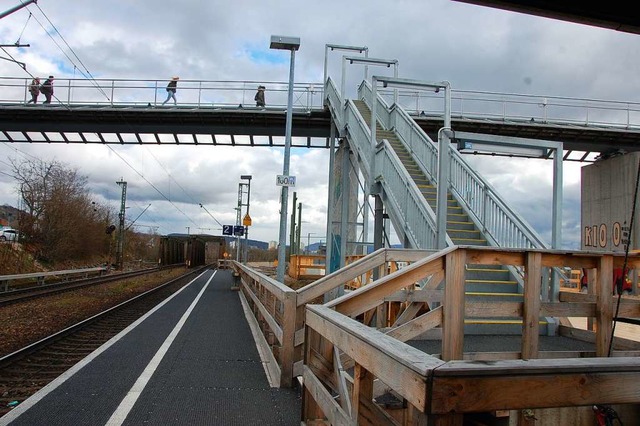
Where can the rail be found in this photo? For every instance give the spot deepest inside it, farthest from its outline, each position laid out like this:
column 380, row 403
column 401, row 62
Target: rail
column 41, row 277
column 349, row 365
column 141, row 92
column 473, row 104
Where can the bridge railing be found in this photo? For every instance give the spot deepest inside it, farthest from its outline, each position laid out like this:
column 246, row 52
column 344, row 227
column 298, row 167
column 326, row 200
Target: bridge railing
column 193, row 93
column 472, row 104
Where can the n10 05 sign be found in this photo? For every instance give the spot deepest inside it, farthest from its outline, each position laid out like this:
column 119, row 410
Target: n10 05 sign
column 282, row 180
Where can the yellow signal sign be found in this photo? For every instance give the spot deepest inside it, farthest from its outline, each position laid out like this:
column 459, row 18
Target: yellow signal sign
column 246, row 221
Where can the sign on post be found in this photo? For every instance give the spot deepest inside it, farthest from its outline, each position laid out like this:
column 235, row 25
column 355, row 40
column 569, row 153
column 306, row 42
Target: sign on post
column 282, row 180
column 246, row 221
column 238, row 230
column 227, row 229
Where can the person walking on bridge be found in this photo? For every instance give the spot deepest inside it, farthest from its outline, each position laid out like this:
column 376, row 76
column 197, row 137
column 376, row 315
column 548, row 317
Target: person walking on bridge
column 47, row 89
column 259, row 97
column 34, row 89
column 171, row 90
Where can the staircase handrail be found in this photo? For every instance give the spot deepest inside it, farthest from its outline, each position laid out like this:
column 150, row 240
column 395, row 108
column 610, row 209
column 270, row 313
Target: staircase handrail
column 402, row 192
column 382, row 107
column 418, row 219
column 335, row 103
column 502, row 224
column 510, row 231
column 402, row 122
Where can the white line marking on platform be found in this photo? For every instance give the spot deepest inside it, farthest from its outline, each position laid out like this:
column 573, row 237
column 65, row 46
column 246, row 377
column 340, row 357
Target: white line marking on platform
column 123, row 410
column 33, row 399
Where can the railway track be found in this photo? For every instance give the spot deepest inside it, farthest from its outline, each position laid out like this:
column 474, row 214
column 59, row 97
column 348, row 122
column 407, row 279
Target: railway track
column 28, row 293
column 24, row 372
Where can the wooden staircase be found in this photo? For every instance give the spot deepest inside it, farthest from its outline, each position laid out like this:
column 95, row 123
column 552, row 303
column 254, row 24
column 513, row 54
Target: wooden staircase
column 482, row 283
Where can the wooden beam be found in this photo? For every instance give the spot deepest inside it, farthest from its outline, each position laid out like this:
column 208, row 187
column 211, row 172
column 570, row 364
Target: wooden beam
column 408, row 314
column 604, row 306
column 531, row 314
column 512, row 390
column 273, row 324
column 335, row 279
column 453, row 312
column 372, row 295
column 417, row 326
column 400, row 366
column 323, row 398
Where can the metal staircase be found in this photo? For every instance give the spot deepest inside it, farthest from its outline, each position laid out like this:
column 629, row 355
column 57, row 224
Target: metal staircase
column 488, row 284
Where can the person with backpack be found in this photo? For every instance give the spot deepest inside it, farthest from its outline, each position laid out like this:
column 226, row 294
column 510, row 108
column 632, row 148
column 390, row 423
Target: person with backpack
column 171, row 90
column 34, row 89
column 47, row 89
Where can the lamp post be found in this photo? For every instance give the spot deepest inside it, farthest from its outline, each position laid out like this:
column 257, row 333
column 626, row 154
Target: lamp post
column 246, row 220
column 292, row 44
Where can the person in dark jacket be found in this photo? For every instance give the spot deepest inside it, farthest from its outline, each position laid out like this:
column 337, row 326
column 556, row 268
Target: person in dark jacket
column 171, row 90
column 47, row 89
column 259, row 97
column 34, row 89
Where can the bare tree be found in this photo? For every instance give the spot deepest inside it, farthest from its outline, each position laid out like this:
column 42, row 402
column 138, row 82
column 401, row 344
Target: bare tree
column 60, row 222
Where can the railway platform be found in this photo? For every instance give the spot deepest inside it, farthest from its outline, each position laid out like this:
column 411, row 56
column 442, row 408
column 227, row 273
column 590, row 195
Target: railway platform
column 191, row 360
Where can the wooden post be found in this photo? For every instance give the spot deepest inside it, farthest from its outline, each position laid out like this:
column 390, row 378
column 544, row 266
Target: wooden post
column 604, row 305
column 288, row 334
column 531, row 309
column 310, row 408
column 362, row 391
column 453, row 306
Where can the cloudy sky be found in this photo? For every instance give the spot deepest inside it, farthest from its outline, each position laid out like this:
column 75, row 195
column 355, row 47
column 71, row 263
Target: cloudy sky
column 472, row 47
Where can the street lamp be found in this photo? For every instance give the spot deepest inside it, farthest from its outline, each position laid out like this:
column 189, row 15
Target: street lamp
column 292, row 44
column 246, row 220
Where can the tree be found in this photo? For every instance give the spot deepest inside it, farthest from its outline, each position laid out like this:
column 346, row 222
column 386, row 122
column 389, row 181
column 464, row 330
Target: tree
column 59, row 222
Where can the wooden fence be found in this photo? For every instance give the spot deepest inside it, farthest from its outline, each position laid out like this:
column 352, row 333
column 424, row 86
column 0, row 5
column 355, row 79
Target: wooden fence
column 363, row 333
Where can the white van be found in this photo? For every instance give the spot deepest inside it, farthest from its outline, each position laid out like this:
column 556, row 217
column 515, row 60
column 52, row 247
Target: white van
column 8, row 234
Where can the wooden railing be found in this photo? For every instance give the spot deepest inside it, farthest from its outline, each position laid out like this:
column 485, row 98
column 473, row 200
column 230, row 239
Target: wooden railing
column 279, row 311
column 316, row 333
column 441, row 388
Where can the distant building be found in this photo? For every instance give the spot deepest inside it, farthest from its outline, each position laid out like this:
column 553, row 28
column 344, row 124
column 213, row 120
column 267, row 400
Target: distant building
column 273, row 245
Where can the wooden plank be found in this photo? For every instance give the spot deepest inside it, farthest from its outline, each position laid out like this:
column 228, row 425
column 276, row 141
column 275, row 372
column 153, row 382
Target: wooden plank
column 400, row 366
column 408, row 314
column 424, row 296
column 486, row 256
column 531, row 314
column 417, row 326
column 370, row 296
column 274, row 287
column 323, row 398
column 604, row 307
column 337, row 278
column 619, row 343
column 362, row 391
column 272, row 367
column 502, row 391
column 273, row 324
column 288, row 340
column 567, row 309
column 343, row 393
column 406, row 255
column 453, row 312
column 375, row 414
column 492, row 309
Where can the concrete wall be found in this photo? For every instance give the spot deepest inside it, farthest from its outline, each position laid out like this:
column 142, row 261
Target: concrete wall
column 608, row 188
